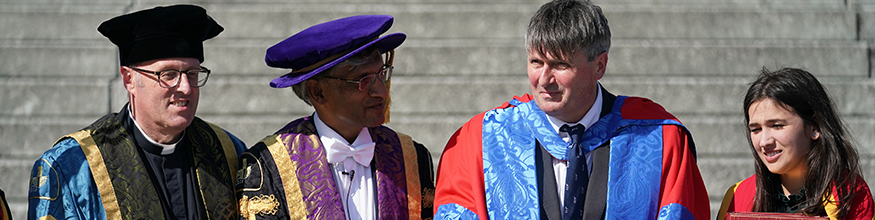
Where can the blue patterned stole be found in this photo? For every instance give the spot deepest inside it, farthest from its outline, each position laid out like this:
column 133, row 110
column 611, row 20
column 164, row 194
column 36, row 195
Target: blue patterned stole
column 509, row 144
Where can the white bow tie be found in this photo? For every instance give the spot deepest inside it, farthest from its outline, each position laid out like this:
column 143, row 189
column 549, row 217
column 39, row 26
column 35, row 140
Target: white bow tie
column 363, row 154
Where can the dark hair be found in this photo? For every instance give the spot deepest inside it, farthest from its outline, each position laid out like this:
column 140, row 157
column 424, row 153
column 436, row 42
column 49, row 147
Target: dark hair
column 833, row 161
column 564, row 27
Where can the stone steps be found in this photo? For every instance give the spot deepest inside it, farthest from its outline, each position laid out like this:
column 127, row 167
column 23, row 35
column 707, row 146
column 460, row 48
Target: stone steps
column 498, row 20
column 707, row 58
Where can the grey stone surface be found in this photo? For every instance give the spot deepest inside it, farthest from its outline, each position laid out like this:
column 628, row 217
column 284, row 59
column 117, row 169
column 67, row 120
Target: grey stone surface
column 53, row 24
column 755, row 3
column 867, row 21
column 61, row 3
column 732, row 22
column 508, row 20
column 722, row 58
column 478, row 20
column 760, row 3
column 29, row 137
column 54, row 58
column 53, row 96
column 684, row 95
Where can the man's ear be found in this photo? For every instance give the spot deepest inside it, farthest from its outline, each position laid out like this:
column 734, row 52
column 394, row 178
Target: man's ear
column 602, row 63
column 315, row 92
column 127, row 75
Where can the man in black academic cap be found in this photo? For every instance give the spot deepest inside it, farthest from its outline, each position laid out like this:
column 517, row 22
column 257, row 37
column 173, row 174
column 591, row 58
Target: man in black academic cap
column 153, row 159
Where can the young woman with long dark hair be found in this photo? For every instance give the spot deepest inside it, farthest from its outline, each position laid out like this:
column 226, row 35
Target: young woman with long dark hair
column 805, row 160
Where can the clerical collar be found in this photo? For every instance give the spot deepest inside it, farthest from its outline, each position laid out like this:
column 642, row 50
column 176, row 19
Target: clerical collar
column 591, row 117
column 165, row 149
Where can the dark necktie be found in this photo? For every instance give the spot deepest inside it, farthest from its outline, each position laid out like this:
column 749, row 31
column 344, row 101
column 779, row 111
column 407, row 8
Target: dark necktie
column 577, row 175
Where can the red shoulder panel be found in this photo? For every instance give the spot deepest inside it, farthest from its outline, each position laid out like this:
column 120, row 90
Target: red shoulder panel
column 641, row 108
column 525, row 98
column 460, row 171
column 862, row 206
column 681, row 180
column 744, row 195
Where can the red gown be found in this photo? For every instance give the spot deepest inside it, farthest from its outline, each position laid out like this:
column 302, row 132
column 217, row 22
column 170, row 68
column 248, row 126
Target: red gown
column 739, row 198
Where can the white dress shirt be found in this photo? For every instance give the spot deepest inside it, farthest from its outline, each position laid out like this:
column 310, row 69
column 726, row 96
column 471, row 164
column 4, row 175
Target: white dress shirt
column 355, row 182
column 560, row 167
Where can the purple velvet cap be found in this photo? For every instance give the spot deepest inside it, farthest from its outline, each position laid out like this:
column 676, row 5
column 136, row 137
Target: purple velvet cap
column 348, row 35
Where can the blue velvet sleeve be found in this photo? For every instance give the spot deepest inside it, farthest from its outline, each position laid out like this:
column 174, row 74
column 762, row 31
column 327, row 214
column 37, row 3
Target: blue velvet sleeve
column 61, row 185
column 238, row 144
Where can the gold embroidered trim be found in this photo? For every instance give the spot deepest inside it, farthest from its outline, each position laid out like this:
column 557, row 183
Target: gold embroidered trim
column 230, row 152
column 411, row 169
column 289, row 176
column 248, row 171
column 48, row 217
column 99, row 173
column 227, row 146
column 260, row 205
column 428, row 197
column 243, row 173
column 197, row 173
column 41, row 180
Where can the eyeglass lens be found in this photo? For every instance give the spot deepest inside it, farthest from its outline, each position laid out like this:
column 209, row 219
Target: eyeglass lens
column 170, row 78
column 367, row 81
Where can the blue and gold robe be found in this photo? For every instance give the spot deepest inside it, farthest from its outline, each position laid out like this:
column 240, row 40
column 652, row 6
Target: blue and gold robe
column 100, row 172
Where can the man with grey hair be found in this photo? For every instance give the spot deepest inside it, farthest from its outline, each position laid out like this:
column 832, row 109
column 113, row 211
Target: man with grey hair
column 340, row 162
column 571, row 149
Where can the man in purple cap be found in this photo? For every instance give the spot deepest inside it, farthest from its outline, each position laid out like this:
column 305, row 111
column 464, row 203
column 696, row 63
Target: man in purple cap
column 340, row 162
column 153, row 159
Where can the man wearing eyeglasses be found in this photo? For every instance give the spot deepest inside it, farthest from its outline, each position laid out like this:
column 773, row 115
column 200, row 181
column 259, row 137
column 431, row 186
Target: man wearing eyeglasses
column 340, row 162
column 153, row 159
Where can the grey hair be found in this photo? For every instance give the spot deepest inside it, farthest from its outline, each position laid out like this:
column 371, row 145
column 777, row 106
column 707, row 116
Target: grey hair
column 351, row 64
column 562, row 28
